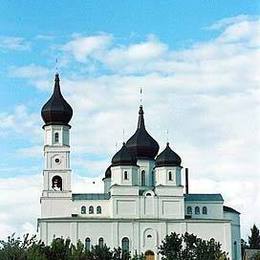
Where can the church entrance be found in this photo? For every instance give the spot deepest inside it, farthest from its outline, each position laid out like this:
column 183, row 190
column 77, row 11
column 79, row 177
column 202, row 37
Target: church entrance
column 149, row 255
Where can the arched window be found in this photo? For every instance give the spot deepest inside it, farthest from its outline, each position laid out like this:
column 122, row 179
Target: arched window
column 56, row 137
column 87, row 244
column 91, row 210
column 57, row 183
column 143, row 178
column 125, row 244
column 101, row 242
column 170, row 176
column 83, row 210
column 189, row 210
column 125, row 175
column 99, row 210
column 204, row 211
column 197, row 210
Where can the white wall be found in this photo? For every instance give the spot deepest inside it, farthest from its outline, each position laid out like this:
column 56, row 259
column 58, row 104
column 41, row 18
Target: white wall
column 143, row 234
column 162, row 176
column 214, row 210
column 235, row 234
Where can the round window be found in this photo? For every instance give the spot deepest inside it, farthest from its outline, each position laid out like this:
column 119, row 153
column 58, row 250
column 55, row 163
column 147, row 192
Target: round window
column 57, row 160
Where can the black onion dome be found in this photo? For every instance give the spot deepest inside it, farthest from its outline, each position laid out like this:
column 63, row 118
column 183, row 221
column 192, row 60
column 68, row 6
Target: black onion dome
column 123, row 157
column 141, row 144
column 168, row 158
column 56, row 110
column 108, row 172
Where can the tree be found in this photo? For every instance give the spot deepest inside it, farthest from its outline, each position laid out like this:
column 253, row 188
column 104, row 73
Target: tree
column 171, row 247
column 16, row 248
column 190, row 247
column 138, row 257
column 254, row 239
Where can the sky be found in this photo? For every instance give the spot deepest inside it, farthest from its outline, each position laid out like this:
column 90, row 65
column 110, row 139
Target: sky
column 196, row 61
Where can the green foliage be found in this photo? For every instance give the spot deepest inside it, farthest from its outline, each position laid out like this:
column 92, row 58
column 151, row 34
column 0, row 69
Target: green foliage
column 190, row 247
column 174, row 247
column 254, row 239
column 16, row 248
column 60, row 249
column 171, row 247
column 138, row 257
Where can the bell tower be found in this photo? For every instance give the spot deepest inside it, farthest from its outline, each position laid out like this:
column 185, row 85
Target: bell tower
column 56, row 114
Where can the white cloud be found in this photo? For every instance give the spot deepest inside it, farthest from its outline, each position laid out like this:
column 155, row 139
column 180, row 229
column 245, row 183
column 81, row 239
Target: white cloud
column 20, row 123
column 15, row 212
column 136, row 54
column 82, row 47
column 13, row 43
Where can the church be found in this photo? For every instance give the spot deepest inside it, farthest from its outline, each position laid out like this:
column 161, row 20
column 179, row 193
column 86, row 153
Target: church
column 144, row 196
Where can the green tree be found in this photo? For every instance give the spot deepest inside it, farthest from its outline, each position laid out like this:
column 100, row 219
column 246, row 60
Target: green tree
column 16, row 248
column 78, row 251
column 171, row 247
column 254, row 239
column 138, row 257
column 190, row 247
column 100, row 252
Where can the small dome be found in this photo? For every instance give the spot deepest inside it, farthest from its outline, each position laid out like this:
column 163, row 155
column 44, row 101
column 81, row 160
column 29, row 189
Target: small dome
column 56, row 111
column 168, row 158
column 141, row 144
column 123, row 157
column 108, row 172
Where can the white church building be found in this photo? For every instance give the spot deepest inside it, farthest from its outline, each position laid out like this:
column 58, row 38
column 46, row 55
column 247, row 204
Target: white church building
column 144, row 197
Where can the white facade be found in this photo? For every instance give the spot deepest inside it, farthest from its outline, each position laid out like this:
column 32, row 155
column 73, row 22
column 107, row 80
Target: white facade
column 140, row 203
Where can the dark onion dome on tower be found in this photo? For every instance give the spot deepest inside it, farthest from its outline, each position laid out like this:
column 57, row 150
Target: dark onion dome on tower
column 108, row 172
column 56, row 111
column 168, row 158
column 141, row 144
column 123, row 157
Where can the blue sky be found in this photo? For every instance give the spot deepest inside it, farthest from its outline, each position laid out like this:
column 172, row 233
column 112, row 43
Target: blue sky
column 196, row 61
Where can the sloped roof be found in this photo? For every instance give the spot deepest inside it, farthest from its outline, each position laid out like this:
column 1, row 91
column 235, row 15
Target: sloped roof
column 229, row 209
column 203, row 197
column 90, row 196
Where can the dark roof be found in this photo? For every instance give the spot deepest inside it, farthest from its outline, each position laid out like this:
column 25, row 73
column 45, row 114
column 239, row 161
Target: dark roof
column 56, row 111
column 90, row 196
column 141, row 144
column 123, row 157
column 231, row 210
column 108, row 172
column 203, row 197
column 168, row 158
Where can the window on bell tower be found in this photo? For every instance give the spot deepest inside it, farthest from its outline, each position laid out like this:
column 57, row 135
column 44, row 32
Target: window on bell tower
column 57, row 183
column 56, row 137
column 143, row 178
